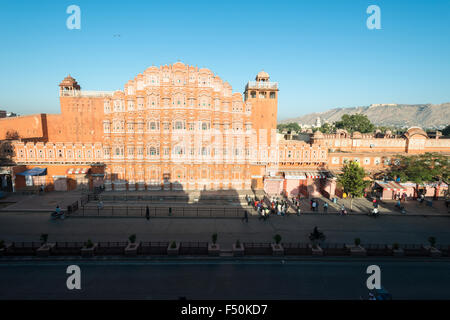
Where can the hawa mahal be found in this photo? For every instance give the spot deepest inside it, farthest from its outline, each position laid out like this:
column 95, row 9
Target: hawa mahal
column 178, row 127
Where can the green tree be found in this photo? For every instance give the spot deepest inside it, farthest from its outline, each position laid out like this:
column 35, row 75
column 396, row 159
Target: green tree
column 352, row 180
column 277, row 238
column 44, row 238
column 446, row 131
column 293, row 126
column 421, row 168
column 326, row 128
column 355, row 122
column 132, row 238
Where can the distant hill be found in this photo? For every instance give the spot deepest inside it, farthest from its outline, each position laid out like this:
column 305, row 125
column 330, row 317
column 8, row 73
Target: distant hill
column 399, row 115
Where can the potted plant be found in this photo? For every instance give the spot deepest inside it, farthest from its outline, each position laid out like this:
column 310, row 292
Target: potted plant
column 4, row 247
column 356, row 249
column 89, row 249
column 432, row 250
column 173, row 249
column 315, row 237
column 277, row 248
column 44, row 238
column 238, row 249
column 132, row 247
column 396, row 250
column 213, row 248
column 45, row 248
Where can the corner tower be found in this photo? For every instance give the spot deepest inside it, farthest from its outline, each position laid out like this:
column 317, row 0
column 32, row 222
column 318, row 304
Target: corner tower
column 263, row 97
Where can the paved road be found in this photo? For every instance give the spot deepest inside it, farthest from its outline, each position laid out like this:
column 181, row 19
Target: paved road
column 330, row 279
column 385, row 229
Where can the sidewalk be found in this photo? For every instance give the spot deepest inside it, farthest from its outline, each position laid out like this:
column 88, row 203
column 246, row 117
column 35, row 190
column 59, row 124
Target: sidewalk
column 37, row 203
column 48, row 202
column 362, row 206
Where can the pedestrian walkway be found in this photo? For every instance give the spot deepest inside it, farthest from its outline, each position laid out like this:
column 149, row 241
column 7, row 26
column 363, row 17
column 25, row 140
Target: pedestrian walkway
column 385, row 207
column 48, row 201
column 43, row 202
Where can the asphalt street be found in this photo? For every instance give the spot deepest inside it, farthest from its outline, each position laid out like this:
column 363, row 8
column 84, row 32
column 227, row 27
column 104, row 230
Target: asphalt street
column 325, row 279
column 338, row 229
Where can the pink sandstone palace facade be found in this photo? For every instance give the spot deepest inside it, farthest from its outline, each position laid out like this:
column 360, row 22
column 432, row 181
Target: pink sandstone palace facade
column 179, row 127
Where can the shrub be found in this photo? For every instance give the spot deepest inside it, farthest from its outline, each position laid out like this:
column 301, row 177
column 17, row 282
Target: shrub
column 132, row 238
column 44, row 238
column 89, row 244
column 316, row 236
column 214, row 238
column 357, row 241
column 173, row 245
column 2, row 244
column 238, row 244
column 395, row 246
column 432, row 241
column 277, row 238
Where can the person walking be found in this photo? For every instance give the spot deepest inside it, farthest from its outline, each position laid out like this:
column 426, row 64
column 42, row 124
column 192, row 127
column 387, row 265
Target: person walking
column 147, row 213
column 314, row 205
column 325, row 207
column 245, row 216
column 299, row 211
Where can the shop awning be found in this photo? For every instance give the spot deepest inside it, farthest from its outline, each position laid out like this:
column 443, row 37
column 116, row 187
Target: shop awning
column 391, row 185
column 315, row 175
column 294, row 174
column 78, row 170
column 34, row 172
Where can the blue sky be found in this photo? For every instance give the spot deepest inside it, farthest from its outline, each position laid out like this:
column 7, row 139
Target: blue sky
column 321, row 52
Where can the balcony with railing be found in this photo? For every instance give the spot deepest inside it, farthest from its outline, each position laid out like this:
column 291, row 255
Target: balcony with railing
column 86, row 93
column 261, row 85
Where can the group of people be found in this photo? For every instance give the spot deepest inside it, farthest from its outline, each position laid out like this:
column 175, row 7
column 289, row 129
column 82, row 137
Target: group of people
column 400, row 197
column 265, row 207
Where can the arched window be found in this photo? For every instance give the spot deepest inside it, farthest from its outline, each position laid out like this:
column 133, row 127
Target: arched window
column 153, row 151
column 178, row 150
column 205, row 125
column 179, row 125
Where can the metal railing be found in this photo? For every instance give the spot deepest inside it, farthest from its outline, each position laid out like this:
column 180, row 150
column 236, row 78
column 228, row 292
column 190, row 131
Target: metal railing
column 201, row 248
column 194, row 248
column 261, row 84
column 251, row 248
column 141, row 211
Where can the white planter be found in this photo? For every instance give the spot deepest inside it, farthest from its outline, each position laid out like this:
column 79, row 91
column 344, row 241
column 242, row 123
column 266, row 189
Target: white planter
column 131, row 249
column 238, row 251
column 173, row 251
column 277, row 249
column 45, row 249
column 432, row 251
column 317, row 251
column 213, row 249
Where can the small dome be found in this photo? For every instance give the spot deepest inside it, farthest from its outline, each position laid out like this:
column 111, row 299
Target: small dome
column 357, row 134
column 69, row 82
column 263, row 74
column 415, row 131
column 318, row 134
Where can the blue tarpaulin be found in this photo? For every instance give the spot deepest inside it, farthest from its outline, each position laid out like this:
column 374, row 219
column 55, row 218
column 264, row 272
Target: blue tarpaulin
column 34, row 172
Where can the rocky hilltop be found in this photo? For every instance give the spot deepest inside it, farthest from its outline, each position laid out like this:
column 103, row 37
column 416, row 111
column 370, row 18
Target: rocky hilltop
column 401, row 115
